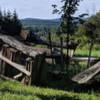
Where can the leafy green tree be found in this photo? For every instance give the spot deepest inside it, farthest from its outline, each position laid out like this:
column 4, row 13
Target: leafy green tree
column 67, row 11
column 68, row 24
column 68, row 21
column 91, row 28
column 90, row 32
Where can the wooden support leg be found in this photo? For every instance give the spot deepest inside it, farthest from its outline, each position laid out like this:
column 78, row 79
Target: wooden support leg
column 3, row 64
column 37, row 69
column 3, row 67
column 27, row 80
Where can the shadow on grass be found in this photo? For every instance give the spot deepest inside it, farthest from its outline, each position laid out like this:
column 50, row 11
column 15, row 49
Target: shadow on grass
column 64, row 82
column 41, row 96
column 57, row 97
column 69, row 86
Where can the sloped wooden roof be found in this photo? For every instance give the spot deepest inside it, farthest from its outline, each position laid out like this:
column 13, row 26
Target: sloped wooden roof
column 13, row 42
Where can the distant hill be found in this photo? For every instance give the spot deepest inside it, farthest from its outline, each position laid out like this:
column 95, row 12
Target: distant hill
column 33, row 22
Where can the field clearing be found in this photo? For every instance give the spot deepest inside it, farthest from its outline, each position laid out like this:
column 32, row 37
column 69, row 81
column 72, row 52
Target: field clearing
column 16, row 91
column 85, row 52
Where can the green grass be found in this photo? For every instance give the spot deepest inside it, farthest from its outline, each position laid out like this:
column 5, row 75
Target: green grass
column 16, row 91
column 85, row 52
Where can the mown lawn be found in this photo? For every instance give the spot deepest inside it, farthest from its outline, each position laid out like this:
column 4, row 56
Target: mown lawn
column 16, row 91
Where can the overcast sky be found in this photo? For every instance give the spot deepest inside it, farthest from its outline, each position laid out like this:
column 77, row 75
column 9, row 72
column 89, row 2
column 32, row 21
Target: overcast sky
column 43, row 9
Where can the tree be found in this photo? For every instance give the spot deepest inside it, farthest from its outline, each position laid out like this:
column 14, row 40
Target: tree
column 4, row 22
column 67, row 25
column 88, row 29
column 91, row 28
column 67, row 11
column 17, row 26
column 68, row 21
column 9, row 23
column 1, row 20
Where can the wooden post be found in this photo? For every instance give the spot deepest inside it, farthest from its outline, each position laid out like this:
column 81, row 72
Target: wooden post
column 90, row 52
column 9, row 53
column 11, row 56
column 50, row 44
column 42, row 75
column 61, row 51
column 28, row 68
column 1, row 44
column 37, row 69
column 4, row 53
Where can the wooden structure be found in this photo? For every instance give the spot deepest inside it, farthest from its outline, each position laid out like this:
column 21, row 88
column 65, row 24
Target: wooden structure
column 26, row 64
column 19, row 61
column 24, row 33
column 88, row 76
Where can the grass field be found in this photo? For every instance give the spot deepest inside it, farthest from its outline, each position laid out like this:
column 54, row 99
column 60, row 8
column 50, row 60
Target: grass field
column 10, row 90
column 85, row 52
column 16, row 91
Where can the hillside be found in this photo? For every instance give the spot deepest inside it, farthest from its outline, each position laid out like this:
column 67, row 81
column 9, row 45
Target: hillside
column 33, row 22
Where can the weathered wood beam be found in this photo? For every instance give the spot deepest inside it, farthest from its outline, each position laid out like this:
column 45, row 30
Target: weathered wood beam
column 15, row 65
column 6, row 78
column 85, row 76
column 28, row 50
column 85, row 58
column 73, row 58
column 17, row 76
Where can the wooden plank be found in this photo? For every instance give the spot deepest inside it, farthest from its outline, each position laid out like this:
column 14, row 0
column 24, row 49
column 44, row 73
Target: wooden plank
column 4, row 53
column 6, row 78
column 74, row 58
column 85, row 76
column 61, row 52
column 17, row 76
column 28, row 50
column 15, row 65
column 71, row 45
column 84, row 58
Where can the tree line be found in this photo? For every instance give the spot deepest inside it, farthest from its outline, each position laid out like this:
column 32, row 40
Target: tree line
column 9, row 23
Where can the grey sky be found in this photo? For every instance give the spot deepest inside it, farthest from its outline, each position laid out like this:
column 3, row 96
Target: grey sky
column 43, row 9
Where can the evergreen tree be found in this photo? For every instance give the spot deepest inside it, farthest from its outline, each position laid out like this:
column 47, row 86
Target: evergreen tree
column 4, row 23
column 17, row 26
column 1, row 20
column 10, row 23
